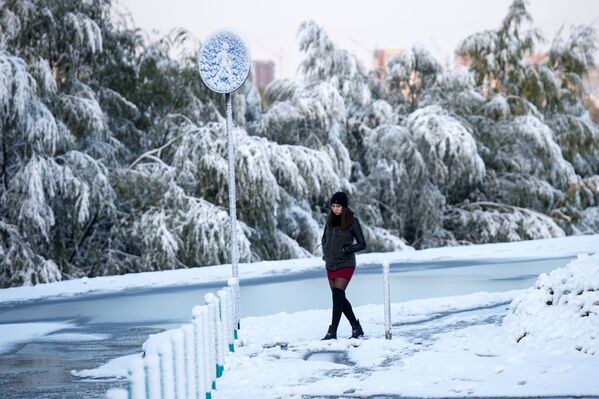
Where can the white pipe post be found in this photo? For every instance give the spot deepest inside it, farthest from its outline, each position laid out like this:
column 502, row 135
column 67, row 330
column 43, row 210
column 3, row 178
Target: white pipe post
column 386, row 293
column 211, row 337
column 233, row 283
column 179, row 362
column 152, row 371
column 220, row 341
column 136, row 382
column 198, row 319
column 222, row 295
column 190, row 359
column 232, row 196
column 167, row 366
column 228, row 306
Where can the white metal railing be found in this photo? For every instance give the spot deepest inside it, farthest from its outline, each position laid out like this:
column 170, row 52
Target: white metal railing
column 184, row 363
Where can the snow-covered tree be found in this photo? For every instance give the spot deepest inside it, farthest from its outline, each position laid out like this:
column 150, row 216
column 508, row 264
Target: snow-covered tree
column 411, row 73
column 50, row 194
column 497, row 57
column 325, row 62
column 113, row 153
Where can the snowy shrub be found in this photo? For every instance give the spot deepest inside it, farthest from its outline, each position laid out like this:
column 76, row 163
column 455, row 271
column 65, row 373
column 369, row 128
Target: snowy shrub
column 507, row 188
column 455, row 91
column 525, row 145
column 381, row 240
column 497, row 108
column 177, row 230
column 447, row 148
column 299, row 225
column 563, row 306
column 19, row 265
column 578, row 138
column 483, row 222
column 312, row 115
column 588, row 221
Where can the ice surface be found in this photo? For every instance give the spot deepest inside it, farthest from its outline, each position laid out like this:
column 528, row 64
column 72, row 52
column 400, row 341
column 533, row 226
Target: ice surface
column 521, row 250
column 14, row 334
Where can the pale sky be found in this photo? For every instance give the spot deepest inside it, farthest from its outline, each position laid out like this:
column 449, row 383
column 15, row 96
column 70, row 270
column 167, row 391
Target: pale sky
column 270, row 26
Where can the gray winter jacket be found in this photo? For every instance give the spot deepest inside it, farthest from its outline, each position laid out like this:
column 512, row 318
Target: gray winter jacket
column 338, row 247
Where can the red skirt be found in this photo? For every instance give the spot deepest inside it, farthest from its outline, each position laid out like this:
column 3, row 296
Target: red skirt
column 344, row 272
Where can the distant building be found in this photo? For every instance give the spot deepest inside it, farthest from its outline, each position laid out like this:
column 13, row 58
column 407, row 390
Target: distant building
column 591, row 84
column 380, row 59
column 591, row 81
column 264, row 73
column 536, row 58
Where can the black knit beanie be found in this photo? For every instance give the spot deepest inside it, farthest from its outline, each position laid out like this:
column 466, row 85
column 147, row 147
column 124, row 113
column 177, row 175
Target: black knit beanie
column 339, row 198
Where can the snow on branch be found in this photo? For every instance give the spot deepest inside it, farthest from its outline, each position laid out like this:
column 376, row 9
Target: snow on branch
column 85, row 32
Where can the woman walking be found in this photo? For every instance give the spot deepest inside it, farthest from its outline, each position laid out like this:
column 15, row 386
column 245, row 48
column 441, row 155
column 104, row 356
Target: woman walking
column 338, row 249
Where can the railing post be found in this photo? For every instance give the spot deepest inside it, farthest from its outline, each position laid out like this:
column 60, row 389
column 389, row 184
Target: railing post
column 179, row 361
column 229, row 329
column 153, row 380
column 211, row 335
column 190, row 359
column 167, row 366
column 386, row 293
column 136, row 382
column 220, row 341
column 233, row 283
column 199, row 320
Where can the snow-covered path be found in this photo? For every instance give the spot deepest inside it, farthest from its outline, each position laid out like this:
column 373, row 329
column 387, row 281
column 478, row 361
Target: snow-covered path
column 447, row 347
column 542, row 341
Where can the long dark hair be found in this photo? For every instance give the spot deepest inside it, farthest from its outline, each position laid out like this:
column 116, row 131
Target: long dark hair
column 347, row 218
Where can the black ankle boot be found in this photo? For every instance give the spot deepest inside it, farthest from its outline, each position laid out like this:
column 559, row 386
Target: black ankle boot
column 356, row 330
column 331, row 334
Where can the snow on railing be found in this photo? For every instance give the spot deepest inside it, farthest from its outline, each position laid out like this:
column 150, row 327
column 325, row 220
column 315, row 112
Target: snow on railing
column 184, row 363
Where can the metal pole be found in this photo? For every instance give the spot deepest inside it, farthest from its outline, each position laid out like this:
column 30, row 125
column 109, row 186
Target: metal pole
column 232, row 203
column 386, row 293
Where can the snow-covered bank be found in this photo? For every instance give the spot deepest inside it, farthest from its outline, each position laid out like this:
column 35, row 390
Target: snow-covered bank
column 116, row 368
column 16, row 333
column 433, row 352
column 522, row 250
column 563, row 306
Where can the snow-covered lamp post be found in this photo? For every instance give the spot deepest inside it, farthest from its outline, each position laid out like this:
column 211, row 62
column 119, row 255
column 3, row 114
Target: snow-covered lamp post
column 224, row 63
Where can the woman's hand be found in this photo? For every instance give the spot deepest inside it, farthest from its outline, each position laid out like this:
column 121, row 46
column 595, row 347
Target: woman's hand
column 346, row 249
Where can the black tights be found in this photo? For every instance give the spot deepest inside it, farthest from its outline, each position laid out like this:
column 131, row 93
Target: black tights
column 340, row 302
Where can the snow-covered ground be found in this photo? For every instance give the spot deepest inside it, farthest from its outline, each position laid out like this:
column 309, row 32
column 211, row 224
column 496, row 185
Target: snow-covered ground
column 521, row 250
column 542, row 341
column 537, row 342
